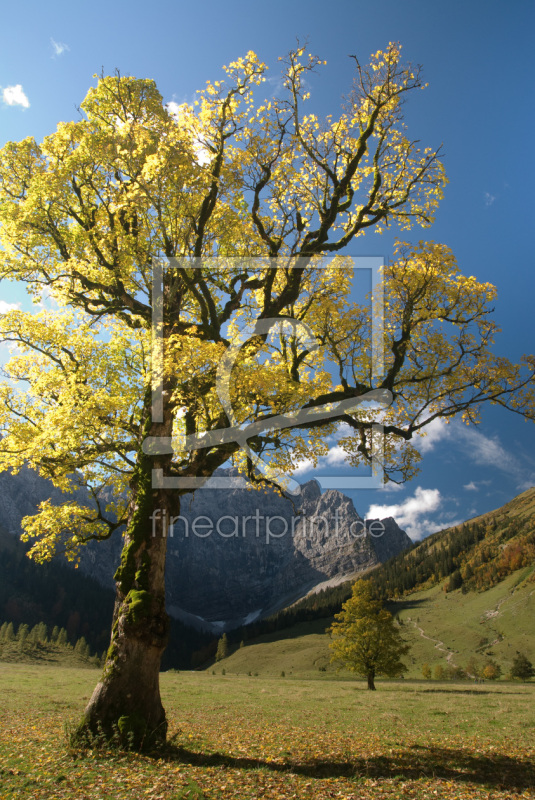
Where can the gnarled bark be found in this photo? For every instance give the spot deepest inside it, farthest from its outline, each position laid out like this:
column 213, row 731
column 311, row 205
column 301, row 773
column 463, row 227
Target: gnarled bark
column 126, row 701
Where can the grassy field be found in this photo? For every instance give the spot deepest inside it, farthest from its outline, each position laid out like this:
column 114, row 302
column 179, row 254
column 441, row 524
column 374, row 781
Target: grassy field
column 260, row 737
column 492, row 624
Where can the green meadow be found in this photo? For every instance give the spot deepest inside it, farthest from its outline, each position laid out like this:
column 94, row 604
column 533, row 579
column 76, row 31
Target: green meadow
column 478, row 625
column 288, row 737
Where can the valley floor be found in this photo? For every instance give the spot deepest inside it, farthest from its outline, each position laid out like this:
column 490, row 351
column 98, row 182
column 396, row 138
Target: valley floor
column 275, row 737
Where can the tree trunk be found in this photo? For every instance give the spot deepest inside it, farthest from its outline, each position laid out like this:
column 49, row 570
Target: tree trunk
column 371, row 680
column 126, row 702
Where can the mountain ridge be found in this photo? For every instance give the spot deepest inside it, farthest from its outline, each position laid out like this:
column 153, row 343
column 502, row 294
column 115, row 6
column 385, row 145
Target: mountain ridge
column 264, row 549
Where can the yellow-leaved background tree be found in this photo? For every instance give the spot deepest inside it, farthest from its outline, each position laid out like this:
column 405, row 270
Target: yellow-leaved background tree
column 242, row 201
column 365, row 637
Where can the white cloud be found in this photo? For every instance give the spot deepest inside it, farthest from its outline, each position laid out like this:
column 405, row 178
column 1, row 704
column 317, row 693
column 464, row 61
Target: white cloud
column 173, row 108
column 202, row 155
column 59, row 47
column 411, row 513
column 304, row 466
column 391, row 486
column 489, row 199
column 474, row 486
column 5, row 307
column 434, row 432
column 47, row 301
column 14, row 96
column 336, row 457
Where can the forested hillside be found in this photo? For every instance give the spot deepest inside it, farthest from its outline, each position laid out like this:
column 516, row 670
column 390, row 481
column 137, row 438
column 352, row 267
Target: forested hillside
column 473, row 556
column 55, row 596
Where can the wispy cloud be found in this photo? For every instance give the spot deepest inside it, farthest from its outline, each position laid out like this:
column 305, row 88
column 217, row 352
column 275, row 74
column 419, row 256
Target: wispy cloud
column 488, row 451
column 489, row 199
column 474, row 486
column 14, row 96
column 58, row 47
column 485, row 450
column 482, row 450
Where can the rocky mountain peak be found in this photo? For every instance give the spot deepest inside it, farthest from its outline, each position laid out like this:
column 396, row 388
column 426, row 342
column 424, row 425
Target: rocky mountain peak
column 235, row 553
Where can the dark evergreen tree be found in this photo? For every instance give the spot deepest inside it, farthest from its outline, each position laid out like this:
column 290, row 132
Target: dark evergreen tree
column 222, row 648
column 522, row 667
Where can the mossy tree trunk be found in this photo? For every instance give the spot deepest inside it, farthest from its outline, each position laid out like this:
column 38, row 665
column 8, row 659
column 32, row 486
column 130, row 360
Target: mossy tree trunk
column 127, row 698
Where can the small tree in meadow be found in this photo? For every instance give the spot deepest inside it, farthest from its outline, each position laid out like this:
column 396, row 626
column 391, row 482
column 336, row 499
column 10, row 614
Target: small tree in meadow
column 473, row 668
column 455, row 673
column 81, row 648
column 366, row 640
column 62, row 637
column 522, row 667
column 491, row 671
column 22, row 635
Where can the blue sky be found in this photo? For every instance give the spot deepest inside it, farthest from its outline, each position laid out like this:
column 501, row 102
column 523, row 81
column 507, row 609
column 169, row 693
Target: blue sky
column 477, row 58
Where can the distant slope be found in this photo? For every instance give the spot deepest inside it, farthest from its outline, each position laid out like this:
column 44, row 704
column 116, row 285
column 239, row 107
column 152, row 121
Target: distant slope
column 494, row 623
column 465, row 592
column 480, row 625
column 476, row 555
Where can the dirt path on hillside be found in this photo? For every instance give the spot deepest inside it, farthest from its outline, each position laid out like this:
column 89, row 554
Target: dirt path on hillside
column 439, row 645
column 487, row 615
column 495, row 612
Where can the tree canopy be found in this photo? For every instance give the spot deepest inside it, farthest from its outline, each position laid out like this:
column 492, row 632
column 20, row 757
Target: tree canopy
column 84, row 214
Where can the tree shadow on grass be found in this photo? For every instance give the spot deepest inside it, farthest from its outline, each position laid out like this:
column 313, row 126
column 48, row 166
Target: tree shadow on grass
column 407, row 604
column 495, row 770
column 467, row 691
